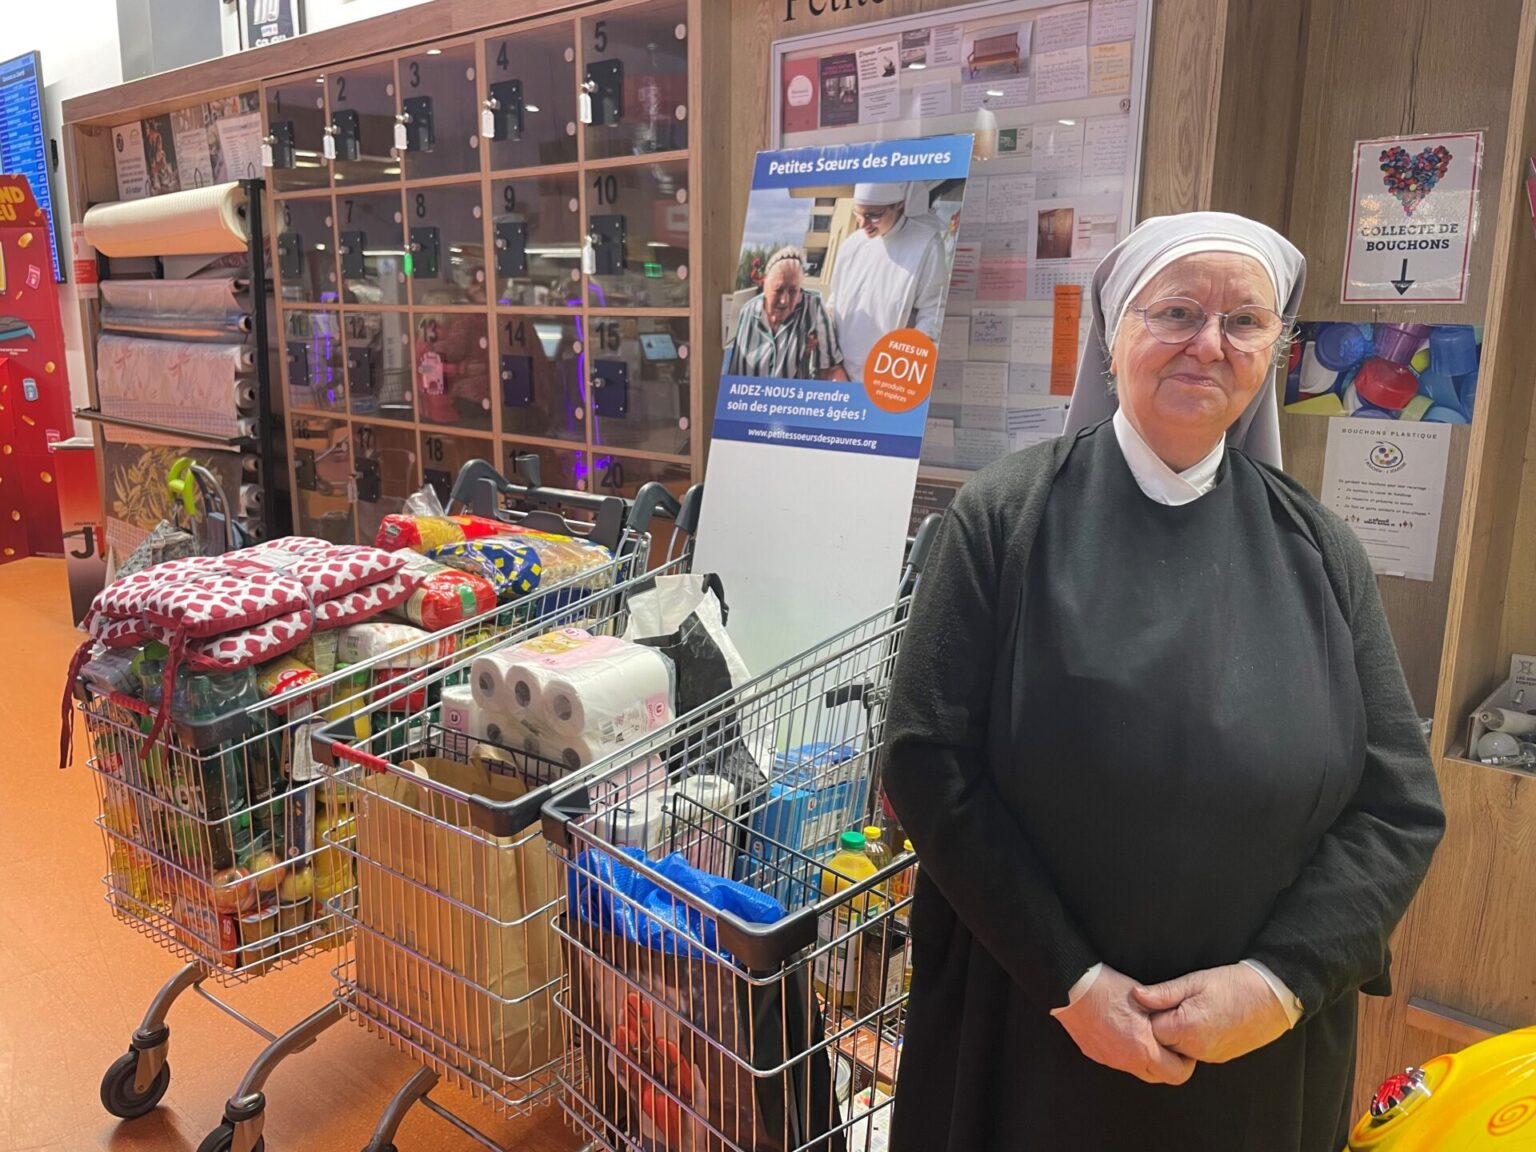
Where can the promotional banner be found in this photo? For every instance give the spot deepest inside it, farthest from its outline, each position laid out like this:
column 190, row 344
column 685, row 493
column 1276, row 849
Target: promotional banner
column 828, row 373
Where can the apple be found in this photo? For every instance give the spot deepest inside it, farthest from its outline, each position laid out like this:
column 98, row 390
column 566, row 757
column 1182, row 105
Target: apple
column 299, row 884
column 267, row 871
column 233, row 891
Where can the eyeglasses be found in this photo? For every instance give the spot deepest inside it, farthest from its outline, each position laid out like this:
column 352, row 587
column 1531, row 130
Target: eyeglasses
column 1177, row 320
column 873, row 215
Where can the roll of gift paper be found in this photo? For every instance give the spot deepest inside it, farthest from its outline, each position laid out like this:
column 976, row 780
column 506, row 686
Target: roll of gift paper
column 245, row 396
column 1507, row 720
column 174, row 303
column 251, row 499
column 198, row 221
column 616, row 695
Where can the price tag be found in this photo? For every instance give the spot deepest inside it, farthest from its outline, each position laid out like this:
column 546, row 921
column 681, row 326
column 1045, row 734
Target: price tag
column 589, row 259
column 584, row 104
column 487, row 123
column 328, row 146
column 266, row 154
column 402, row 142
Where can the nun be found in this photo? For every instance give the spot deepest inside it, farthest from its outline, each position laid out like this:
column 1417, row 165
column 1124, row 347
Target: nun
column 1150, row 737
column 890, row 273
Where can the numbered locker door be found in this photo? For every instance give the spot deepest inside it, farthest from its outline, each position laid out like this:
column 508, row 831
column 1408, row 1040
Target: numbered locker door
column 322, row 479
column 625, row 476
column 536, row 241
column 378, row 359
column 387, row 475
column 362, row 128
column 539, row 366
column 370, row 237
column 558, row 467
column 445, row 236
column 313, row 354
column 637, row 236
column 634, row 85
column 306, row 251
column 439, row 126
column 444, row 454
column 638, row 372
column 530, row 113
column 452, row 357
column 296, row 134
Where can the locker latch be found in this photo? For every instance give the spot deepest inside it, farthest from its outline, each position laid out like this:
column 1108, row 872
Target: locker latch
column 347, row 134
column 416, row 122
column 290, row 254
column 504, row 111
column 298, row 364
column 517, row 381
column 369, row 480
column 304, row 469
column 512, row 248
column 610, row 387
column 604, row 92
column 352, row 259
column 360, row 369
column 281, row 144
column 424, row 252
column 440, row 480
column 607, row 236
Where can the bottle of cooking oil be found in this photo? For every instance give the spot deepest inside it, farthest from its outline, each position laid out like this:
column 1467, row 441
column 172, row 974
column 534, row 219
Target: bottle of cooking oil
column 836, row 975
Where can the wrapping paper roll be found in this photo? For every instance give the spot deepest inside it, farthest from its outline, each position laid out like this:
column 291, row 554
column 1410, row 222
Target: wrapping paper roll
column 1507, row 720
column 250, row 499
column 195, row 222
column 175, row 383
column 246, row 427
column 614, row 695
column 173, row 303
column 246, row 396
column 251, row 465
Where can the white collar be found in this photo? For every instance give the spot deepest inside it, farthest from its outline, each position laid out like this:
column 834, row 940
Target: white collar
column 1160, row 482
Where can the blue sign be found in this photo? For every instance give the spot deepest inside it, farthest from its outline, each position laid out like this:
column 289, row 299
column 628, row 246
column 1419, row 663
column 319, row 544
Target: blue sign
column 835, row 417
column 883, row 162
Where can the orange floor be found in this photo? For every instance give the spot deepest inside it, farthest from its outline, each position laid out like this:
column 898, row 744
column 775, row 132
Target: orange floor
column 74, row 982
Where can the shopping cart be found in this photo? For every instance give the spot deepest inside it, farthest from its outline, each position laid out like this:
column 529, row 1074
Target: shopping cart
column 451, row 955
column 215, row 835
column 771, row 1027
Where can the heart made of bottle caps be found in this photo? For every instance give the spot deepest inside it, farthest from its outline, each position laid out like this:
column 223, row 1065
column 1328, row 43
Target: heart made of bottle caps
column 1411, row 178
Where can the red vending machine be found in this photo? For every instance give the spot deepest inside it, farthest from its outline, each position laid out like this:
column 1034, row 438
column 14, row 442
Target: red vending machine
column 34, row 387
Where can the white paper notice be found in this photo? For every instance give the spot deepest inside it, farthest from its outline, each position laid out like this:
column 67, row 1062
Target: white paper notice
column 194, row 162
column 944, row 50
column 1008, row 199
column 990, row 327
column 1004, row 240
column 240, row 141
column 1026, row 381
column 927, row 100
column 938, row 434
column 1106, row 140
column 973, row 211
column 962, row 276
column 1059, row 28
column 879, row 81
column 1011, row 93
column 1112, row 20
column 948, row 377
column 985, row 384
column 1109, row 69
column 976, row 448
column 1061, row 75
column 1030, row 341
column 1028, row 426
column 128, row 155
column 955, row 338
column 1059, row 148
column 1387, row 480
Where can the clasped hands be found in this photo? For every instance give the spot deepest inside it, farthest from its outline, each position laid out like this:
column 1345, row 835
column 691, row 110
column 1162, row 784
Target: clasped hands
column 1159, row 1033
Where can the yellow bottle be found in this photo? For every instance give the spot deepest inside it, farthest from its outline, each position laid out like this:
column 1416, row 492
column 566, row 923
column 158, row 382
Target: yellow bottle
column 901, row 885
column 836, row 970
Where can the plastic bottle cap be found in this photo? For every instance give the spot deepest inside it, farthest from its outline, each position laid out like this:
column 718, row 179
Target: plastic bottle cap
column 872, row 833
column 906, row 845
column 852, row 841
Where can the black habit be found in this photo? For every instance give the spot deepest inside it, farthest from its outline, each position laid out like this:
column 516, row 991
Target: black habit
column 1166, row 738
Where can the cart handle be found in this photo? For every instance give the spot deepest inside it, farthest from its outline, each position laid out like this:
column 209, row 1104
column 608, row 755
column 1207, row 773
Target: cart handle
column 479, row 486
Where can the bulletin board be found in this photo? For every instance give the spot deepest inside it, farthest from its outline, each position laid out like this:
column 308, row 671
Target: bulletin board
column 1056, row 94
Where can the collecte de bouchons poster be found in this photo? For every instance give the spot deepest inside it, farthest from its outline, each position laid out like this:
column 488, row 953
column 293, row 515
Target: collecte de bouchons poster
column 829, row 366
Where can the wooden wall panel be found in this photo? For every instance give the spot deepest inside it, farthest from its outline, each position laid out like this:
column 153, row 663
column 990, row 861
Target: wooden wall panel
column 1183, row 97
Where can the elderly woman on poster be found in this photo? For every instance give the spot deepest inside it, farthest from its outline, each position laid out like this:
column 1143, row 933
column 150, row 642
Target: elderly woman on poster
column 892, row 273
column 1151, row 739
column 785, row 331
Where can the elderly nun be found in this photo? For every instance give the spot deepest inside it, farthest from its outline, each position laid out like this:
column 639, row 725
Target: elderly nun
column 891, row 273
column 1151, row 740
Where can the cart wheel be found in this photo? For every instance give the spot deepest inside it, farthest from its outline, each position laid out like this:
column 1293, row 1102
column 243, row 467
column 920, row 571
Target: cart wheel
column 222, row 1139
column 117, row 1092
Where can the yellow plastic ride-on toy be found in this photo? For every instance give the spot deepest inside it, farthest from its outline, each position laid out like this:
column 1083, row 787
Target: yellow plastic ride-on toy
column 1481, row 1099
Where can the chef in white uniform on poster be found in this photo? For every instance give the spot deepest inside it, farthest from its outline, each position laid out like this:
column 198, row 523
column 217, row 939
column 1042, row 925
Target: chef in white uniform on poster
column 889, row 274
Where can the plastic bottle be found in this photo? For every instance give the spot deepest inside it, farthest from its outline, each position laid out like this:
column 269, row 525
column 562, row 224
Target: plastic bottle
column 334, row 823
column 901, row 886
column 836, row 969
column 875, row 847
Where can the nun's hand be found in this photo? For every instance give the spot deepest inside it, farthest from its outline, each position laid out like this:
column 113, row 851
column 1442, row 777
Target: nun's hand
column 1215, row 1015
column 1111, row 1028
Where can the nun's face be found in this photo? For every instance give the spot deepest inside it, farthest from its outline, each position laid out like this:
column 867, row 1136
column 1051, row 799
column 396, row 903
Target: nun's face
column 877, row 219
column 1197, row 389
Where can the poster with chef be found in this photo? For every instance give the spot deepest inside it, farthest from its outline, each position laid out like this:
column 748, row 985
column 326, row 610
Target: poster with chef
column 828, row 371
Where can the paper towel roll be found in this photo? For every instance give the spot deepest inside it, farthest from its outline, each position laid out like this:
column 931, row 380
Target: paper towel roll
column 459, row 710
column 578, row 751
column 616, row 696
column 195, row 222
column 512, row 679
column 251, row 499
column 698, row 824
column 1507, row 720
column 636, row 820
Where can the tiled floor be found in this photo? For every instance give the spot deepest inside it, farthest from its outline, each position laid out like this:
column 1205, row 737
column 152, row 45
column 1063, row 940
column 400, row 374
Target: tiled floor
column 74, row 982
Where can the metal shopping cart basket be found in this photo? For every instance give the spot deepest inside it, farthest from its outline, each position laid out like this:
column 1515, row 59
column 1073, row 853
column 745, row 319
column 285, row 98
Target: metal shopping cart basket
column 766, row 1018
column 450, row 952
column 215, row 835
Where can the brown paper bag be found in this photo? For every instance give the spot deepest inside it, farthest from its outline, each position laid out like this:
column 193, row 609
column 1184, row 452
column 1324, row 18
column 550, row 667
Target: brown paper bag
column 458, row 939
